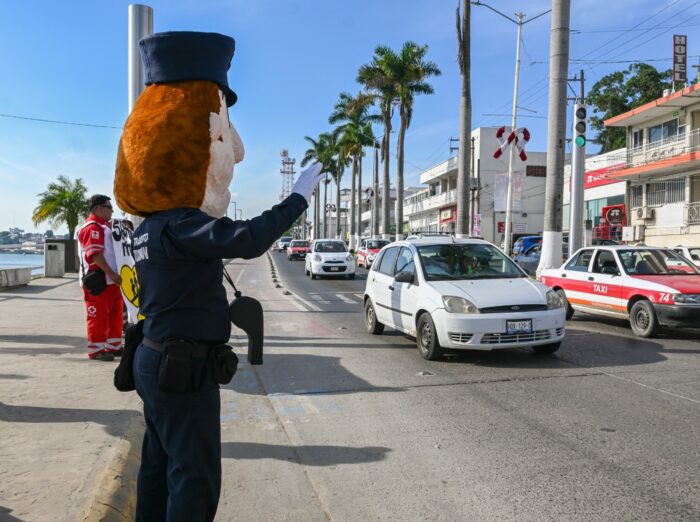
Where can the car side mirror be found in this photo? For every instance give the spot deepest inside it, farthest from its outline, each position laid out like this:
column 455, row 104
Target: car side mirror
column 405, row 277
column 610, row 270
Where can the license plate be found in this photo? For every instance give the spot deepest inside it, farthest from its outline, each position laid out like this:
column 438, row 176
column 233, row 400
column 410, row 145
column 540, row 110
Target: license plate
column 521, row 326
column 335, row 269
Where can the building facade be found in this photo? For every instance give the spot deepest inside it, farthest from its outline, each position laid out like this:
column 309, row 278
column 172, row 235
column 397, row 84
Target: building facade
column 662, row 167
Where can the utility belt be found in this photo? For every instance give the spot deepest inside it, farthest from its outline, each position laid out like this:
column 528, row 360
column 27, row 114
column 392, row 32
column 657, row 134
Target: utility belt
column 179, row 372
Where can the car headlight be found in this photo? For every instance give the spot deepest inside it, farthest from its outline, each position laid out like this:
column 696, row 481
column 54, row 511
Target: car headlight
column 553, row 300
column 317, row 258
column 686, row 298
column 349, row 258
column 459, row 305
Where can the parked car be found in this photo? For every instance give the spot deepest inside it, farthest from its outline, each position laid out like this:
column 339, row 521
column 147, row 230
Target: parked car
column 690, row 253
column 368, row 250
column 283, row 243
column 530, row 259
column 329, row 257
column 649, row 286
column 463, row 294
column 523, row 243
column 297, row 249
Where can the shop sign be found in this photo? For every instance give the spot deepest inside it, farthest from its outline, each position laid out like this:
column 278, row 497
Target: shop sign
column 680, row 58
column 615, row 214
column 448, row 214
column 598, row 177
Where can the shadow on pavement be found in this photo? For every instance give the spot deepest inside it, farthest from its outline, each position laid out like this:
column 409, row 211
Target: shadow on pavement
column 62, row 344
column 6, row 517
column 13, row 376
column 583, row 320
column 306, row 455
column 295, row 374
column 33, row 288
column 112, row 420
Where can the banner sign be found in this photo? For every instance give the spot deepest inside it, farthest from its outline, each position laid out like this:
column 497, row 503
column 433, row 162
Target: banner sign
column 598, row 177
column 501, row 191
column 680, row 58
column 122, row 233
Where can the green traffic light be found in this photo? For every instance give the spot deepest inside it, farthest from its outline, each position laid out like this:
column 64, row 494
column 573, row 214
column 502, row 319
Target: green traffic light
column 580, row 141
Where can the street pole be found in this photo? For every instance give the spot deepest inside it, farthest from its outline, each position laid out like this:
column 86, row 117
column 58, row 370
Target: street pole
column 551, row 254
column 472, row 189
column 140, row 24
column 511, row 160
column 375, row 196
column 578, row 168
column 464, row 210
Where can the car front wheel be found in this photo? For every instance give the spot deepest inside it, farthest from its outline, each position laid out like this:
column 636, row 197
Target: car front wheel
column 643, row 319
column 427, row 339
column 373, row 326
column 351, row 276
column 569, row 310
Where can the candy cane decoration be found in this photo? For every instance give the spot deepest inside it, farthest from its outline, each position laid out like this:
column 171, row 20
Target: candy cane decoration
column 521, row 142
column 520, row 137
column 503, row 143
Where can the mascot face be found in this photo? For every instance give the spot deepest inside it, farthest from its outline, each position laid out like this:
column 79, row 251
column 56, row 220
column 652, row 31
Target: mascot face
column 178, row 149
column 225, row 151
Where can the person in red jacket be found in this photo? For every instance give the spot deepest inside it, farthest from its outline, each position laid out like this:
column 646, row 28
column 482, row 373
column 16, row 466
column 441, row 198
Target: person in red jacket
column 104, row 311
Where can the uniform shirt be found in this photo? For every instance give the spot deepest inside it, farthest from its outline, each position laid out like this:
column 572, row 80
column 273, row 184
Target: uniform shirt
column 95, row 237
column 178, row 257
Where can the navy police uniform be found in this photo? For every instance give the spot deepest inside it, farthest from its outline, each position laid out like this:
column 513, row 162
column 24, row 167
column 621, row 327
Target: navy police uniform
column 178, row 257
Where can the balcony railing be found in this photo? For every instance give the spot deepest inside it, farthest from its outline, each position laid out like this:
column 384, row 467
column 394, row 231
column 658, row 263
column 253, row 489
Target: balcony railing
column 692, row 214
column 431, row 203
column 664, row 149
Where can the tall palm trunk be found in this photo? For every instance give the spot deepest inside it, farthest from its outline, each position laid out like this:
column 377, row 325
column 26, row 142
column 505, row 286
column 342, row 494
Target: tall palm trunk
column 399, row 175
column 386, row 229
column 337, row 204
column 375, row 196
column 352, row 201
column 464, row 223
column 325, row 207
column 359, row 201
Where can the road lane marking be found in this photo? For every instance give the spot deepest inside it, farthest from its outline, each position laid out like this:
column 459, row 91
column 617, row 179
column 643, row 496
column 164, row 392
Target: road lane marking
column 346, row 299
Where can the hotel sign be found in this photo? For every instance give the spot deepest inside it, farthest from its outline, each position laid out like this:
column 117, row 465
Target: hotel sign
column 680, row 58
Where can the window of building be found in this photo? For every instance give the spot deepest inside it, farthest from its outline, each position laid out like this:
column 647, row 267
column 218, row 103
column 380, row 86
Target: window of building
column 668, row 129
column 434, row 189
column 664, row 192
column 638, row 138
column 536, row 171
column 636, row 196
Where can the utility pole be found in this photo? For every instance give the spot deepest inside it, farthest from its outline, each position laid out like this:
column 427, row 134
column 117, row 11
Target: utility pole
column 578, row 169
column 551, row 255
column 462, row 227
column 472, row 190
column 509, row 198
column 375, row 195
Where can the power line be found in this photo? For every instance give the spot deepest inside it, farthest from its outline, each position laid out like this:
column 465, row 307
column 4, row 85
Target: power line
column 632, row 29
column 14, row 116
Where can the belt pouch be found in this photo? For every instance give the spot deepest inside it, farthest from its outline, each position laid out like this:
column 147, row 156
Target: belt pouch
column 95, row 281
column 175, row 370
column 223, row 363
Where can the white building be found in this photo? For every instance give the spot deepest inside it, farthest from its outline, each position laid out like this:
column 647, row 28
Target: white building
column 434, row 208
column 662, row 165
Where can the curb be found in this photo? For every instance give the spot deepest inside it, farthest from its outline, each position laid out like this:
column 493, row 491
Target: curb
column 114, row 495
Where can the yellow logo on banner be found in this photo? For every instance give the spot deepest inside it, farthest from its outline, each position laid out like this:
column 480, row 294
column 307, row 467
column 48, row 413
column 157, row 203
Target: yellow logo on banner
column 130, row 286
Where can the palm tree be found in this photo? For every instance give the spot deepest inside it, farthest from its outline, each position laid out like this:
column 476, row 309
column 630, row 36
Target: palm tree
column 402, row 75
column 321, row 151
column 464, row 221
column 64, row 201
column 356, row 134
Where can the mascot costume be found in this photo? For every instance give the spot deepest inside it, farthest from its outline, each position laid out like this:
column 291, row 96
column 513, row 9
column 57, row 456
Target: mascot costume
column 174, row 167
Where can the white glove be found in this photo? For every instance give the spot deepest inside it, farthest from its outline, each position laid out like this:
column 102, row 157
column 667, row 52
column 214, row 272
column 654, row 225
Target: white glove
column 308, row 180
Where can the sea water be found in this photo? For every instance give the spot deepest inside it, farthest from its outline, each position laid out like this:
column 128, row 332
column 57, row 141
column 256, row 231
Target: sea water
column 36, row 261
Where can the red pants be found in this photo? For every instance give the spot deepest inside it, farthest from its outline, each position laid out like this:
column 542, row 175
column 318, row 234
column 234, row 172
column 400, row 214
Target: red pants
column 104, row 320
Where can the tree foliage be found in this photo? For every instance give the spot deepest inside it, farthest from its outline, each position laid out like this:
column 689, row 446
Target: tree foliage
column 619, row 92
column 64, row 201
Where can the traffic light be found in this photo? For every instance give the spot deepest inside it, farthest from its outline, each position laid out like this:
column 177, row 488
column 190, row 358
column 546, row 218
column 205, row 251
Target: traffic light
column 580, row 124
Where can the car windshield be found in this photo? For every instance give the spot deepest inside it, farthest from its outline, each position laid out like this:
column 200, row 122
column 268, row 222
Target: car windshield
column 299, row 244
column 466, row 261
column 377, row 243
column 330, row 246
column 285, row 239
column 655, row 262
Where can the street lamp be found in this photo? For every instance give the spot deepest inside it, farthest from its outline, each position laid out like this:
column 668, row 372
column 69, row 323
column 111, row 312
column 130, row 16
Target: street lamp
column 509, row 198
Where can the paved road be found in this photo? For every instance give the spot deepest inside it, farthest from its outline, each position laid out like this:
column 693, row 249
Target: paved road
column 605, row 429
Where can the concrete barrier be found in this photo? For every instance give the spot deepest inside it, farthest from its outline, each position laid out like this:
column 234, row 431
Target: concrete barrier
column 12, row 277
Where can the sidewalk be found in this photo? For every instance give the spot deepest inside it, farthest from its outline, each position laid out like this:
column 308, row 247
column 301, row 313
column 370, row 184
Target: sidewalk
column 63, row 425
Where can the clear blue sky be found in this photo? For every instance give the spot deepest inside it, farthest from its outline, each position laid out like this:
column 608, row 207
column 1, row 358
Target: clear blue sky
column 66, row 60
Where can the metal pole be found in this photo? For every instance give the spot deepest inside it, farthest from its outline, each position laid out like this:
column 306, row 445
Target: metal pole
column 509, row 197
column 578, row 169
column 551, row 255
column 140, row 24
column 375, row 196
column 472, row 190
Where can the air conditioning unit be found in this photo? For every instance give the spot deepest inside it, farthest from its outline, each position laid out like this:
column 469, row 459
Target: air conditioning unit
column 645, row 213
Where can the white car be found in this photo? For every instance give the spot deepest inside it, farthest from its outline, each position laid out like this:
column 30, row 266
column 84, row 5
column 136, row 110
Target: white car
column 329, row 257
column 463, row 294
column 691, row 253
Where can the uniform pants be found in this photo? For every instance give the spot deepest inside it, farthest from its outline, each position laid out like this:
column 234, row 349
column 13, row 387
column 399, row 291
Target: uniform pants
column 104, row 320
column 180, row 475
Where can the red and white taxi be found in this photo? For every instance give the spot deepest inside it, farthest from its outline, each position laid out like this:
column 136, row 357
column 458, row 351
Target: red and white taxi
column 650, row 286
column 297, row 249
column 368, row 250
